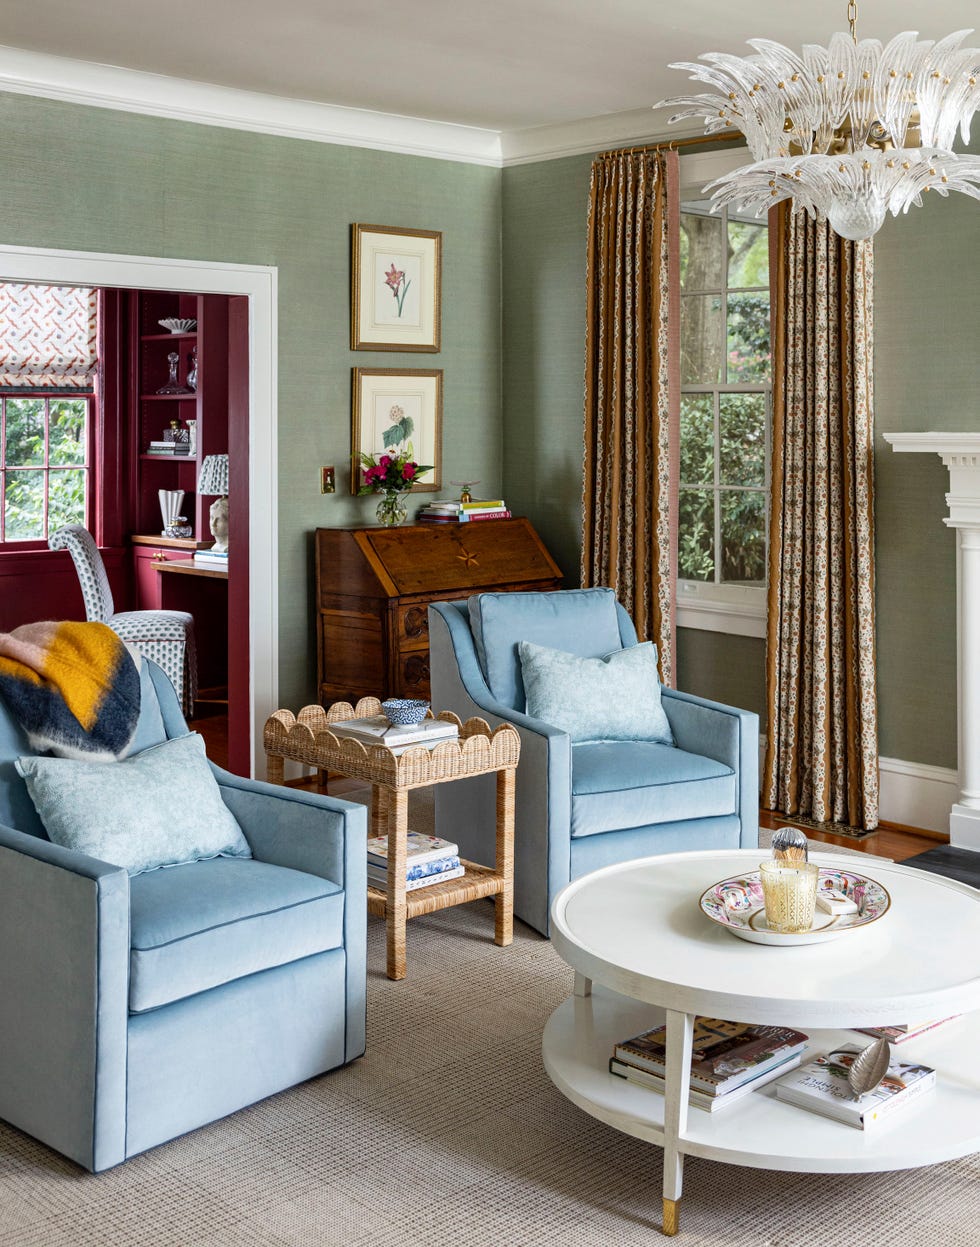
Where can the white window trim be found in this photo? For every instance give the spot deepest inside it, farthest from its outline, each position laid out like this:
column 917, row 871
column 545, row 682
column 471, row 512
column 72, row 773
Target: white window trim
column 738, row 610
column 735, row 609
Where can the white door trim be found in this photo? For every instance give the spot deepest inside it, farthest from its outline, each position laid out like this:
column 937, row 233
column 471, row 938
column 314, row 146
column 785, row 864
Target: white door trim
column 260, row 285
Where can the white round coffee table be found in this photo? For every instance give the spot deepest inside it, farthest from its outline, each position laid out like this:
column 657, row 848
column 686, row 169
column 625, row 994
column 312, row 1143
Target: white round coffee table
column 636, row 932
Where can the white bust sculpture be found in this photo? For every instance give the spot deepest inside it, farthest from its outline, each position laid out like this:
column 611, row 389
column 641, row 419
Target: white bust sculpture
column 219, row 523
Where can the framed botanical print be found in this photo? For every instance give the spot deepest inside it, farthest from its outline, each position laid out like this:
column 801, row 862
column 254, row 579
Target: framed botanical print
column 398, row 412
column 396, row 280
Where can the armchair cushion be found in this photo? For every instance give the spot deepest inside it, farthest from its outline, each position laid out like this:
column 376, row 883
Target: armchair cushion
column 616, row 697
column 620, row 784
column 161, row 807
column 579, row 621
column 207, row 923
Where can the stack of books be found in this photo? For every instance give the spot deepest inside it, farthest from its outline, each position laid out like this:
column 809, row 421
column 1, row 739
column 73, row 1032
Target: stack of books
column 377, row 730
column 211, row 558
column 728, row 1059
column 821, row 1087
column 429, row 859
column 900, row 1034
column 168, row 448
column 464, row 512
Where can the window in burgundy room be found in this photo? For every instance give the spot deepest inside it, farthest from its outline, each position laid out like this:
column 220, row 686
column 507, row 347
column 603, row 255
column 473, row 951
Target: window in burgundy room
column 48, row 363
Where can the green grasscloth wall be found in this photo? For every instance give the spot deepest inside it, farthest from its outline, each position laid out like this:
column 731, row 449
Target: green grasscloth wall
column 927, row 364
column 93, row 179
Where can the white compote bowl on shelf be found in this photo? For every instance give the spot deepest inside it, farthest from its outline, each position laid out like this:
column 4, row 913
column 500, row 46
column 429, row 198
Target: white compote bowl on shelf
column 177, row 324
column 737, row 905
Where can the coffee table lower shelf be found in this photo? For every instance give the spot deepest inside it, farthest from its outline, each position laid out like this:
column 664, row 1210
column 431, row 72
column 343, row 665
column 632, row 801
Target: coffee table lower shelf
column 759, row 1130
column 478, row 882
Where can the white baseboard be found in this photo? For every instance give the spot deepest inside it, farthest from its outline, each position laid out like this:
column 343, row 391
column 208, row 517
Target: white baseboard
column 916, row 795
column 912, row 794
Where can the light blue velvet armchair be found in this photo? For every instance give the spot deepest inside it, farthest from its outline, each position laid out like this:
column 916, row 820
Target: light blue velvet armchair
column 586, row 805
column 134, row 1009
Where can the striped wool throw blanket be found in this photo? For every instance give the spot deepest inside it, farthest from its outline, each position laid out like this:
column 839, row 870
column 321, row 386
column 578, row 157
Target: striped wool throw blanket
column 73, row 687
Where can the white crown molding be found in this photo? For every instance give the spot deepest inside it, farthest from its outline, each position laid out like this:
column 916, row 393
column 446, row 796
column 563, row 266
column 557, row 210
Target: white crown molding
column 128, row 90
column 202, row 103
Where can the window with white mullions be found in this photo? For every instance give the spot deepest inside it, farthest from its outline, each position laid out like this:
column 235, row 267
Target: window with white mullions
column 725, row 401
column 45, row 462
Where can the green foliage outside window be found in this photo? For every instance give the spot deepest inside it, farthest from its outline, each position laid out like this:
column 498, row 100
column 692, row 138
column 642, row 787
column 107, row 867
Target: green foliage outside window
column 725, row 342
column 31, row 469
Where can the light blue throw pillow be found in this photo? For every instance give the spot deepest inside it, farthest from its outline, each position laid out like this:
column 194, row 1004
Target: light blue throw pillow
column 612, row 698
column 161, row 807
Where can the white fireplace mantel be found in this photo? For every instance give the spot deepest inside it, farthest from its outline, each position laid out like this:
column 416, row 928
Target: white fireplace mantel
column 960, row 452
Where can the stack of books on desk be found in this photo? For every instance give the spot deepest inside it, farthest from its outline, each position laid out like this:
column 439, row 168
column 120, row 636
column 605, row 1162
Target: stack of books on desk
column 211, row 558
column 168, row 448
column 429, row 859
column 728, row 1060
column 378, row 730
column 464, row 512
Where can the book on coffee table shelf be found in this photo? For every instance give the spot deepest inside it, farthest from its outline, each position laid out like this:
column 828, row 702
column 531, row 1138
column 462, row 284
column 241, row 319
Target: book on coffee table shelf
column 420, row 848
column 724, row 1054
column 821, row 1086
column 379, row 878
column 901, row 1034
column 708, row 1101
column 416, row 870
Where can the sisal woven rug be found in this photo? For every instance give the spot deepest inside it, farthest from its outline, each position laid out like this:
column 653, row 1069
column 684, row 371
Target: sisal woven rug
column 448, row 1133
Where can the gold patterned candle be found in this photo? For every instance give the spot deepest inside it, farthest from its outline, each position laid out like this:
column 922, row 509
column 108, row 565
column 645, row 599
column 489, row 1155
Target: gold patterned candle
column 790, row 891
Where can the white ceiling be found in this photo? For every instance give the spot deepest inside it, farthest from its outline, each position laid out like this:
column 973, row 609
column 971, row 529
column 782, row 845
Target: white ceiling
column 503, row 65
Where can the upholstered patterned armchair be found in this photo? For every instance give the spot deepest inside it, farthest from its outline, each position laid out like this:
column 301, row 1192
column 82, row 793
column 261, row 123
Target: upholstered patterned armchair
column 580, row 806
column 166, row 637
column 134, row 1008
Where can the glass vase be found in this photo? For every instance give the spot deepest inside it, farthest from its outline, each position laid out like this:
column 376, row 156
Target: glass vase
column 391, row 510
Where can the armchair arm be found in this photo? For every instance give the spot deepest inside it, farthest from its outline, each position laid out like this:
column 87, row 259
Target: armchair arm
column 543, row 801
column 64, row 984
column 728, row 735
column 305, row 831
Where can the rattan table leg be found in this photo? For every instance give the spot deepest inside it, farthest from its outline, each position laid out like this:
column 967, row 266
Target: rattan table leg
column 378, row 819
column 395, row 909
column 273, row 768
column 503, row 924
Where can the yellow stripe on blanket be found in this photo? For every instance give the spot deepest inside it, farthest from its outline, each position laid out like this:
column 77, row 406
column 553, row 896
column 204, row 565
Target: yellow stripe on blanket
column 81, row 661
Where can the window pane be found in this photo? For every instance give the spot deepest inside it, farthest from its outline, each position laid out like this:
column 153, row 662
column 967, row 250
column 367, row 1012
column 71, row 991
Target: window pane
column 25, row 432
column 66, row 502
column 742, row 423
column 743, row 537
column 748, row 254
column 66, row 435
column 697, row 439
column 748, row 337
column 701, row 267
column 696, row 535
column 701, row 339
column 23, row 506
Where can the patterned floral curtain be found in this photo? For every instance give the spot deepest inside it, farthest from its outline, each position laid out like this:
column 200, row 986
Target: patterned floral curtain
column 822, row 752
column 632, row 392
column 47, row 336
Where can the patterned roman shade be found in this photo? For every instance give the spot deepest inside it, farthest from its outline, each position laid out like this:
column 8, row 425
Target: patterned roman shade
column 48, row 336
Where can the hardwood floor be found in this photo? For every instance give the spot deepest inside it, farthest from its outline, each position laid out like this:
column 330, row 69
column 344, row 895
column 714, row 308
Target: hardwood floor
column 898, row 843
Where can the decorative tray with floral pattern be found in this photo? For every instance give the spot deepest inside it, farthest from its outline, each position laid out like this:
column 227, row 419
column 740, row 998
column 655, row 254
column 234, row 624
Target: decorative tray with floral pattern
column 737, row 904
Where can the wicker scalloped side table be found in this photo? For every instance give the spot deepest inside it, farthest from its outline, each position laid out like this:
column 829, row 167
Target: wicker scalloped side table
column 480, row 750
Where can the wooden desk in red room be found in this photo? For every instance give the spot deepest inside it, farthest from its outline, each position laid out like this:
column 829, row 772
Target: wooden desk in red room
column 203, row 591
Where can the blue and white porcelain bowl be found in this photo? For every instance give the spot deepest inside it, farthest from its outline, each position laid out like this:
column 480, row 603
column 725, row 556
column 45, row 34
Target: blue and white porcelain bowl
column 404, row 711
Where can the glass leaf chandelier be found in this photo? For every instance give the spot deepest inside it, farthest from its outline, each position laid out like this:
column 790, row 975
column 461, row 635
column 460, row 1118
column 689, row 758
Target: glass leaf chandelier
column 847, row 132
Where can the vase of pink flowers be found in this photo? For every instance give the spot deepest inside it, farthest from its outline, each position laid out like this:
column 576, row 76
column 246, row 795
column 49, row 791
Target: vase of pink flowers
column 391, row 476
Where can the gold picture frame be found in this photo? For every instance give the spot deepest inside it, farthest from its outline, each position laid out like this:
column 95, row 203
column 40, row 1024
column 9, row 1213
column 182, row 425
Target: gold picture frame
column 396, row 289
column 395, row 411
